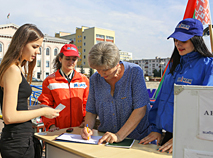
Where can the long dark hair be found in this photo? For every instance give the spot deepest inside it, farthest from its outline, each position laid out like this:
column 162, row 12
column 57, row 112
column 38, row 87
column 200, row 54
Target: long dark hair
column 199, row 46
column 25, row 34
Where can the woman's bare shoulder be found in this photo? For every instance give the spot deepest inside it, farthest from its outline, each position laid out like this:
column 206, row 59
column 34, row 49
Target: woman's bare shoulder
column 13, row 72
column 13, row 69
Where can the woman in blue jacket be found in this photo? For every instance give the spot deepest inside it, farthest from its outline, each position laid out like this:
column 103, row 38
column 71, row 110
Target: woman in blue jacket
column 190, row 64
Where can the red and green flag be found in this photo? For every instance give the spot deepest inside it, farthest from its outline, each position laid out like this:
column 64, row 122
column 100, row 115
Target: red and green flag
column 8, row 15
column 198, row 9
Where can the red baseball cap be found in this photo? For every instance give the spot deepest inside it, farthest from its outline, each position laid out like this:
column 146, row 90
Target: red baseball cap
column 70, row 50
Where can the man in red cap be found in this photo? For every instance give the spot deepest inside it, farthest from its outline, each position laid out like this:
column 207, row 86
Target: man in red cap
column 68, row 87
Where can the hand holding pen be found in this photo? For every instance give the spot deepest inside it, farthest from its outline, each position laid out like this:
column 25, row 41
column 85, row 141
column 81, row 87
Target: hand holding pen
column 86, row 133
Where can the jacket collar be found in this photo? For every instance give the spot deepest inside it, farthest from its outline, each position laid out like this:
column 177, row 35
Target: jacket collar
column 188, row 58
column 59, row 77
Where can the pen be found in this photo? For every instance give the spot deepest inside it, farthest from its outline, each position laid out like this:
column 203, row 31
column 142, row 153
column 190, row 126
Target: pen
column 87, row 131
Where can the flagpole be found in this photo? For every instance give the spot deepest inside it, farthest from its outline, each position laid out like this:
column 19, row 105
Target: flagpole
column 211, row 36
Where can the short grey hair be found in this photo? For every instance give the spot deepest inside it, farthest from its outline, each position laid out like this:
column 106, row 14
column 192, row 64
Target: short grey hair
column 104, row 54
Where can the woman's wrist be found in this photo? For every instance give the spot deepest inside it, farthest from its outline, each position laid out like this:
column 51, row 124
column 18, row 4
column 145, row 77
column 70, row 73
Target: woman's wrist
column 119, row 137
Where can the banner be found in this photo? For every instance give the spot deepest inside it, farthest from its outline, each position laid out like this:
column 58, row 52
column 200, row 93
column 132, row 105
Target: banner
column 205, row 130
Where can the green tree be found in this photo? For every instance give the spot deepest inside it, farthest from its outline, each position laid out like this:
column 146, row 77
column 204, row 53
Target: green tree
column 91, row 71
column 82, row 69
column 157, row 73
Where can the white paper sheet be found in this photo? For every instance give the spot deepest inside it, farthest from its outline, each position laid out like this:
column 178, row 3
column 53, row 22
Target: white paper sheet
column 77, row 138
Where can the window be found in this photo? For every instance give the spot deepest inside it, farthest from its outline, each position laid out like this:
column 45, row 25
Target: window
column 47, row 51
column 84, row 63
column 47, row 64
column 0, row 47
column 84, row 56
column 38, row 75
column 84, row 44
column 55, row 51
column 38, row 63
column 47, row 74
column 84, row 50
column 109, row 37
column 84, row 37
column 99, row 36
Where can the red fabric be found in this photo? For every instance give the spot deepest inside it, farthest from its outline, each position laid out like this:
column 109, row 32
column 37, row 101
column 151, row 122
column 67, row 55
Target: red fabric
column 190, row 9
column 202, row 11
column 198, row 9
column 74, row 98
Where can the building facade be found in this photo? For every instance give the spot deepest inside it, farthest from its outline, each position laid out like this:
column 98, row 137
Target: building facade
column 84, row 38
column 50, row 48
column 149, row 65
column 125, row 56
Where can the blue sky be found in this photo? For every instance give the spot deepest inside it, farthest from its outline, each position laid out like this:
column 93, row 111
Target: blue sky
column 141, row 26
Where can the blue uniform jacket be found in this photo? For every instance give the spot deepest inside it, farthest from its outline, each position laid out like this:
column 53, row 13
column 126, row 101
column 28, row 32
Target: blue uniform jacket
column 194, row 69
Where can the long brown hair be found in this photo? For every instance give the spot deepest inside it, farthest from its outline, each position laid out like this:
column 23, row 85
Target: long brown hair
column 25, row 34
column 56, row 63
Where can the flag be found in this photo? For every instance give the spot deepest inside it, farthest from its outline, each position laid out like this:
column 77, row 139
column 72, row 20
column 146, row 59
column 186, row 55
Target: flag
column 8, row 15
column 198, row 9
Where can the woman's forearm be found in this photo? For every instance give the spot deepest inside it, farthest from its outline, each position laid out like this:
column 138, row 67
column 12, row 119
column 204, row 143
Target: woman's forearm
column 132, row 122
column 90, row 119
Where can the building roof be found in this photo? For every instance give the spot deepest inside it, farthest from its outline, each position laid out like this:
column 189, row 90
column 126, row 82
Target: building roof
column 11, row 25
column 46, row 37
column 55, row 39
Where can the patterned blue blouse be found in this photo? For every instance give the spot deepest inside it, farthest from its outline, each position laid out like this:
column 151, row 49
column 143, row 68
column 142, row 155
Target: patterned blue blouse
column 130, row 93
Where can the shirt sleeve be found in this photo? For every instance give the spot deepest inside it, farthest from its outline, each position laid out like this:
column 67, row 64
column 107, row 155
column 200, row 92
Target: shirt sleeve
column 140, row 95
column 46, row 98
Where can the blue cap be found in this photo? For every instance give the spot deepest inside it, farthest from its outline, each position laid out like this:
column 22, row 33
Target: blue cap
column 187, row 29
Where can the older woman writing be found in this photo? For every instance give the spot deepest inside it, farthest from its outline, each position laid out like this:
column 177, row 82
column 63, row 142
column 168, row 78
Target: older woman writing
column 117, row 94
